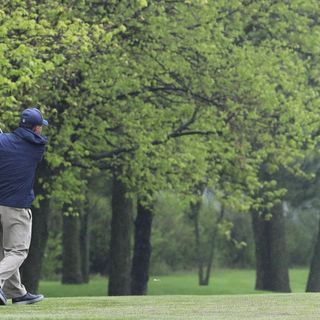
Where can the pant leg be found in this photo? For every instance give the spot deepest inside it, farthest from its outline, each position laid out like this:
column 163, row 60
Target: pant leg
column 13, row 288
column 16, row 236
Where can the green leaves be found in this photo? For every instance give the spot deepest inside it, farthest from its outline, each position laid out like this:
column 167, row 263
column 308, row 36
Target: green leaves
column 176, row 94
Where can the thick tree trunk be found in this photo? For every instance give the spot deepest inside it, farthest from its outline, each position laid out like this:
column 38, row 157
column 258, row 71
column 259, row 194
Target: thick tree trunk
column 120, row 243
column 85, row 245
column 142, row 251
column 263, row 269
column 71, row 258
column 271, row 252
column 313, row 284
column 31, row 268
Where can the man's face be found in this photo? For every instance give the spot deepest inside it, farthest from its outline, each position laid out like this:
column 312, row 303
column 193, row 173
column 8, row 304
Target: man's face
column 38, row 130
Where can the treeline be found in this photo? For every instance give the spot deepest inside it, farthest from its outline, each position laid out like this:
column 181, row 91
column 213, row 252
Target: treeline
column 196, row 98
column 173, row 237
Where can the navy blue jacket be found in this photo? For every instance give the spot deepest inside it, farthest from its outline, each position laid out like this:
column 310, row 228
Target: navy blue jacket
column 20, row 153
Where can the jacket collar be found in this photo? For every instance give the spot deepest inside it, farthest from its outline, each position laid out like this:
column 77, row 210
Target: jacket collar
column 31, row 137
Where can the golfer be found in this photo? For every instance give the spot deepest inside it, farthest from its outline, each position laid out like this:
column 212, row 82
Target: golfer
column 20, row 153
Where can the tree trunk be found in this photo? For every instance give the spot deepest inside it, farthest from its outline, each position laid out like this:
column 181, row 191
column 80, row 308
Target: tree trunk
column 120, row 243
column 142, row 251
column 313, row 284
column 195, row 210
column 85, row 244
column 263, row 259
column 71, row 258
column 271, row 252
column 31, row 268
column 204, row 260
column 206, row 279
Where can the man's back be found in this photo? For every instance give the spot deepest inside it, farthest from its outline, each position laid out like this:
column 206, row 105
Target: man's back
column 20, row 153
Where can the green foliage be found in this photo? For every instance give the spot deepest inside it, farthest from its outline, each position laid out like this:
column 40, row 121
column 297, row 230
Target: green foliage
column 173, row 244
column 236, row 250
column 99, row 207
column 168, row 95
column 51, row 269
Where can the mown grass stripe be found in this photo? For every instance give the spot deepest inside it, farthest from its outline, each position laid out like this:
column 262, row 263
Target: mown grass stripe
column 224, row 307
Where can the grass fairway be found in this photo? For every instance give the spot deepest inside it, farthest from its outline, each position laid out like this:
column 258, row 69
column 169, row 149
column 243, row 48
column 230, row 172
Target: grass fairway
column 271, row 306
column 230, row 295
column 223, row 282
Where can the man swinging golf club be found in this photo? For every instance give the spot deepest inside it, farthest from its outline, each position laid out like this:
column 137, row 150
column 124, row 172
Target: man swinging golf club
column 20, row 153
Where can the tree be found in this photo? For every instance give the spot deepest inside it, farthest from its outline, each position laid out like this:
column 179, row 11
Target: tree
column 204, row 265
column 120, row 244
column 142, row 249
column 85, row 237
column 71, row 257
column 271, row 252
column 26, row 45
column 178, row 84
column 254, row 87
column 313, row 283
column 287, row 29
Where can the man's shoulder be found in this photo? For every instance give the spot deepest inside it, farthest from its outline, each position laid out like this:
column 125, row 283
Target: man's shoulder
column 5, row 137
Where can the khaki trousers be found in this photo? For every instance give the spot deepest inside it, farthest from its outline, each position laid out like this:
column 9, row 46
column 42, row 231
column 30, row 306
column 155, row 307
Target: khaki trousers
column 15, row 238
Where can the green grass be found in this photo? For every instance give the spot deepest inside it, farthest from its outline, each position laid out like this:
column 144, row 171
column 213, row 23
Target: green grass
column 222, row 282
column 230, row 296
column 233, row 307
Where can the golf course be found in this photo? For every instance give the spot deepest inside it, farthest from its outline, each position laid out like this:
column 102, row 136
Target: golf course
column 271, row 306
column 160, row 159
column 230, row 295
